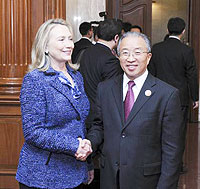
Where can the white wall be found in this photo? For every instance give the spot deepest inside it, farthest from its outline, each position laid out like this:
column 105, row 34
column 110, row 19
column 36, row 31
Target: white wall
column 78, row 11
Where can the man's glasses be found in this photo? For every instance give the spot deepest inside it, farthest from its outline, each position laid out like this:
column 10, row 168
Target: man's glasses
column 135, row 53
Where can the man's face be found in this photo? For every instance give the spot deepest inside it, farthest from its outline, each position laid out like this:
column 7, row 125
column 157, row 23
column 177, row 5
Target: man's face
column 134, row 56
column 90, row 32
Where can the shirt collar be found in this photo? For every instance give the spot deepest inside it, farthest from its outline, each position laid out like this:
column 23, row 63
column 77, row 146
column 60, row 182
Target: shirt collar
column 86, row 38
column 175, row 37
column 139, row 81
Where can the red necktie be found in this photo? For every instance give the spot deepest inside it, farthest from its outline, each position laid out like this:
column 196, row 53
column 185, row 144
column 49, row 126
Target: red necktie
column 129, row 100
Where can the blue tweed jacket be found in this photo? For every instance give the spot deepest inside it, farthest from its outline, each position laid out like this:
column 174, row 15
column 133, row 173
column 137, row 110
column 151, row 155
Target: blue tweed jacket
column 52, row 122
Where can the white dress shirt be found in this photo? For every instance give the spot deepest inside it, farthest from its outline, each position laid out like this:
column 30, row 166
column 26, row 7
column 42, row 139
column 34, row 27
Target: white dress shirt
column 86, row 38
column 137, row 87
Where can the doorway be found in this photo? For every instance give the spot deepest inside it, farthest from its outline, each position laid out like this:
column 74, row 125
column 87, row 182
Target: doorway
column 162, row 11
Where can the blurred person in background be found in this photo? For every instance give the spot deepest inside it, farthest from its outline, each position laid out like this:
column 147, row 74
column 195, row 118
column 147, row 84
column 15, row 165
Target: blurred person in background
column 86, row 30
column 174, row 62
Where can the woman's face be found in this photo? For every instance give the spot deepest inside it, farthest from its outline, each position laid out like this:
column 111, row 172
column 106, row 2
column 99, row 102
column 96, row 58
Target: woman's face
column 60, row 44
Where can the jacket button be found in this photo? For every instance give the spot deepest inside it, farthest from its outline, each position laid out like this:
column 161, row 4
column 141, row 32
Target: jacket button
column 123, row 135
column 78, row 118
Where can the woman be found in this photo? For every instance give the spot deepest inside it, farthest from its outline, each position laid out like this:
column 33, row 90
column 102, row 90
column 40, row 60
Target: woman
column 54, row 107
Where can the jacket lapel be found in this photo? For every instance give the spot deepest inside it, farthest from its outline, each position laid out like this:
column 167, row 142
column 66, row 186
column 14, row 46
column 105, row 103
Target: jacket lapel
column 64, row 89
column 52, row 78
column 118, row 95
column 145, row 94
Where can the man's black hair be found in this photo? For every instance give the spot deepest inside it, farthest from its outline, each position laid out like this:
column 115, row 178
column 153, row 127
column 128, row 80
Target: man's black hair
column 108, row 29
column 176, row 26
column 84, row 28
column 127, row 26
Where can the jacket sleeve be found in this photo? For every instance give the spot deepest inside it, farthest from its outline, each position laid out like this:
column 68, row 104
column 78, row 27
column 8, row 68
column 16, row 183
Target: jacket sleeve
column 36, row 131
column 172, row 143
column 191, row 74
column 95, row 133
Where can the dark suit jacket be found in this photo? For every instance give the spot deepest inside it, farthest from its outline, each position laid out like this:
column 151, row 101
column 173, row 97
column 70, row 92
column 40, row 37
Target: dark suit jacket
column 97, row 64
column 79, row 46
column 174, row 63
column 147, row 147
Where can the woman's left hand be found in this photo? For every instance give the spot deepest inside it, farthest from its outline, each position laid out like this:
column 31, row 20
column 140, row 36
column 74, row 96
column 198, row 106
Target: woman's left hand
column 90, row 176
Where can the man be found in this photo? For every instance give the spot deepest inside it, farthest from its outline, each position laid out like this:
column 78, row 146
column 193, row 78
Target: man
column 98, row 62
column 136, row 28
column 86, row 31
column 174, row 62
column 141, row 150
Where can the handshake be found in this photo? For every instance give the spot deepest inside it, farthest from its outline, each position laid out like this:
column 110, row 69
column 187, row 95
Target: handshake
column 84, row 149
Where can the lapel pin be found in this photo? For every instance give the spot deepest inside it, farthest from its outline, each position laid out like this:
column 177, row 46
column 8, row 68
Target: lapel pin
column 147, row 93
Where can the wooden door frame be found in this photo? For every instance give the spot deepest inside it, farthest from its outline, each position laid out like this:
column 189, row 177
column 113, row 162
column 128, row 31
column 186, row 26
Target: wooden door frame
column 194, row 39
column 118, row 8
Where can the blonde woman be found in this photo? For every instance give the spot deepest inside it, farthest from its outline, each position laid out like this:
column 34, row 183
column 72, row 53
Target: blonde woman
column 54, row 107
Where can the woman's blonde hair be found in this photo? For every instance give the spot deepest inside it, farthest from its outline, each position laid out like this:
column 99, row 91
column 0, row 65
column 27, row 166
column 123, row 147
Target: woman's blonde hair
column 39, row 60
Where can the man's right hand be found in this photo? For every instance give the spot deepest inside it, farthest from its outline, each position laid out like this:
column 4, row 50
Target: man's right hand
column 84, row 149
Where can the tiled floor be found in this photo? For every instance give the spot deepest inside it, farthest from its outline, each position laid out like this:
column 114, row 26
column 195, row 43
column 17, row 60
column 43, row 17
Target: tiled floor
column 191, row 180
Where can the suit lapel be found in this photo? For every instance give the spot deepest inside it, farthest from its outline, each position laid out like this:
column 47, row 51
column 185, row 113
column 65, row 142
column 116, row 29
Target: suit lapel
column 64, row 89
column 118, row 95
column 145, row 94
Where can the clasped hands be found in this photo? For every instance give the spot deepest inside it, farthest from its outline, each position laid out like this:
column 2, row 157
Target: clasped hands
column 84, row 149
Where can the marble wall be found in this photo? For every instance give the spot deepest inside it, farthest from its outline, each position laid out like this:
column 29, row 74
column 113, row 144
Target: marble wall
column 162, row 10
column 78, row 11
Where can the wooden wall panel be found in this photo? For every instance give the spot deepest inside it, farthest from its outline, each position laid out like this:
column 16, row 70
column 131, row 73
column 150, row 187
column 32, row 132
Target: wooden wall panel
column 14, row 39
column 111, row 8
column 42, row 10
column 134, row 15
column 19, row 22
column 8, row 181
column 11, row 141
column 137, row 12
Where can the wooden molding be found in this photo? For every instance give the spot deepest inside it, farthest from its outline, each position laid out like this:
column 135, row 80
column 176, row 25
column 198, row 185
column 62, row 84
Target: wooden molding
column 19, row 22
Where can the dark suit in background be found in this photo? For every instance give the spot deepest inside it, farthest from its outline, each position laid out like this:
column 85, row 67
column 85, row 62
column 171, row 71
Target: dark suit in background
column 80, row 45
column 174, row 62
column 97, row 64
column 86, row 32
